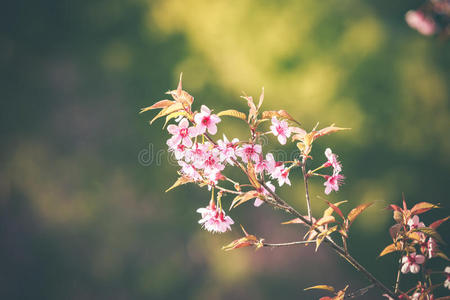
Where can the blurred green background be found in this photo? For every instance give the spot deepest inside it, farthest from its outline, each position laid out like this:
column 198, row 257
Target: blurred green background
column 83, row 213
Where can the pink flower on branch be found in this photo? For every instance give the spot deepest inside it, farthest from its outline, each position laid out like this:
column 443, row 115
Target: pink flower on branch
column 249, row 152
column 214, row 220
column 206, row 121
column 414, row 223
column 181, row 134
column 280, row 129
column 282, row 175
column 227, row 150
column 264, row 192
column 411, row 263
column 333, row 183
column 332, row 161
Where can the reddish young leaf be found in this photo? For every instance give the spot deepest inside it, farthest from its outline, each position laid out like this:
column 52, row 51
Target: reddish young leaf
column 159, row 104
column 280, row 113
column 394, row 230
column 356, row 211
column 238, row 200
column 252, row 175
column 247, row 240
column 431, row 232
column 320, row 287
column 394, row 207
column 438, row 223
column 168, row 110
column 323, row 235
column 336, row 209
column 391, row 248
column 180, row 181
column 422, row 207
column 294, row 221
column 330, row 210
column 328, row 130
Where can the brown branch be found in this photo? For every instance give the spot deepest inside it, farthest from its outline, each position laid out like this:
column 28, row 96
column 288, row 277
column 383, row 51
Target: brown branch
column 280, row 203
column 305, row 180
column 339, row 250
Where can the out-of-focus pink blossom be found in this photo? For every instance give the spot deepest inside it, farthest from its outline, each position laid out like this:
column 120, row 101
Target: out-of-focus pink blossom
column 206, row 121
column 411, row 263
column 263, row 191
column 414, row 223
column 181, row 134
column 280, row 129
column 332, row 161
column 249, row 152
column 416, row 19
column 333, row 183
column 214, row 220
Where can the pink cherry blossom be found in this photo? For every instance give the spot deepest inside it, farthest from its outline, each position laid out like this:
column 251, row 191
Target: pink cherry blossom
column 189, row 171
column 262, row 190
column 249, row 152
column 227, row 150
column 212, row 162
column 281, row 174
column 181, row 134
column 411, row 263
column 206, row 121
column 214, row 220
column 333, row 183
column 447, row 280
column 280, row 129
column 418, row 21
column 414, row 223
column 197, row 154
column 332, row 161
column 179, row 151
column 271, row 164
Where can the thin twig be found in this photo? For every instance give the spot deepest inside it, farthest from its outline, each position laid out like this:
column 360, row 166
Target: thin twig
column 305, row 179
column 289, row 244
column 280, row 203
column 228, row 191
column 339, row 250
column 359, row 292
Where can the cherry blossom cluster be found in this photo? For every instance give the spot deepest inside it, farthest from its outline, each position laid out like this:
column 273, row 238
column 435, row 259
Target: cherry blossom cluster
column 205, row 160
column 417, row 244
